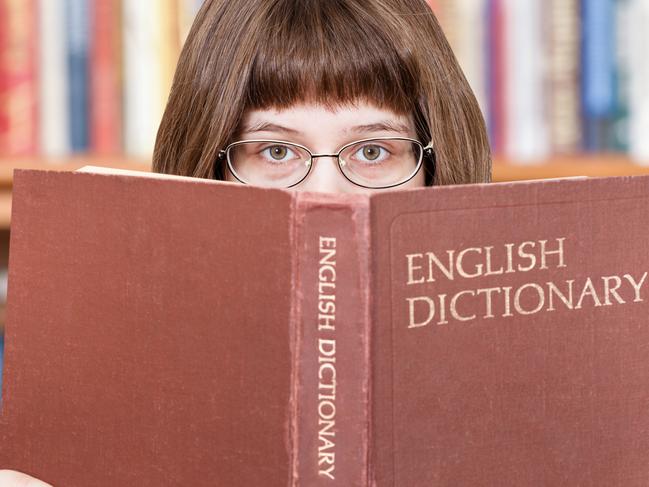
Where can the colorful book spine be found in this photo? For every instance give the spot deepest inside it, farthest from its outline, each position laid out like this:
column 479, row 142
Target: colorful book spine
column 622, row 72
column 54, row 113
column 142, row 75
column 598, row 69
column 469, row 46
column 526, row 123
column 564, row 104
column 78, row 24
column 496, row 79
column 105, row 78
column 639, row 81
column 18, row 78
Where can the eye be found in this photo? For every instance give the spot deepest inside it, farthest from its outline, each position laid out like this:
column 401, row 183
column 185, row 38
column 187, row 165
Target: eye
column 371, row 153
column 278, row 153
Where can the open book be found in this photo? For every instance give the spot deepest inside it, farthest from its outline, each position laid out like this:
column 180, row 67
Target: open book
column 164, row 330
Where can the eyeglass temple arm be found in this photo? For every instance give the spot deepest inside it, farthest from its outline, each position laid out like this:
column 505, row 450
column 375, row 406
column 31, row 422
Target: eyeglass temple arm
column 429, row 153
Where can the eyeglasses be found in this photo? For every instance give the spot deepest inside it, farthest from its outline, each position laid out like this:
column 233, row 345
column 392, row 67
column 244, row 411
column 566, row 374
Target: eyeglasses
column 370, row 163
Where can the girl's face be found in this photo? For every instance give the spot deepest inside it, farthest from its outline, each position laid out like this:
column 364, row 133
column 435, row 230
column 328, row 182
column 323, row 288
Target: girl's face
column 324, row 131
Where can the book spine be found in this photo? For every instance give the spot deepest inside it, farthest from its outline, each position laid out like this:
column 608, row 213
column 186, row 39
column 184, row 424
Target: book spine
column 18, row 77
column 598, row 69
column 496, row 87
column 53, row 79
column 564, row 60
column 78, row 12
column 329, row 430
column 469, row 46
column 105, row 96
column 638, row 45
column 142, row 68
column 622, row 71
column 526, row 125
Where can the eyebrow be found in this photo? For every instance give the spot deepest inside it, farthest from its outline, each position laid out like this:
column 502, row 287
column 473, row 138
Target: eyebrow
column 382, row 126
column 268, row 127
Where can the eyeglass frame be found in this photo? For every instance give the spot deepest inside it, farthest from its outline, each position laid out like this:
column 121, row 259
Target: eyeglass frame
column 427, row 152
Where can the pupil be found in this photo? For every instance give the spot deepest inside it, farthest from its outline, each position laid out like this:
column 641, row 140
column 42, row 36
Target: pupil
column 370, row 152
column 278, row 152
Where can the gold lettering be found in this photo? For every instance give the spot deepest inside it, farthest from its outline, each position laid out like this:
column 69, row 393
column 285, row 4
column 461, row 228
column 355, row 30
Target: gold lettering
column 517, row 298
column 411, row 309
column 454, row 311
column 412, row 268
column 525, row 255
column 636, row 285
column 460, row 258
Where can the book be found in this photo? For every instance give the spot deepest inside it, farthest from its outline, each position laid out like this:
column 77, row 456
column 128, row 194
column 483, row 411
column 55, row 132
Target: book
column 496, row 75
column 105, row 77
column 563, row 53
column 54, row 105
column 18, row 84
column 164, row 330
column 638, row 76
column 78, row 17
column 598, row 73
column 465, row 29
column 142, row 70
column 622, row 71
column 526, row 129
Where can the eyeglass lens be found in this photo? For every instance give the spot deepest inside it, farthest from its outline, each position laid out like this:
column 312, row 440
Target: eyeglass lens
column 371, row 163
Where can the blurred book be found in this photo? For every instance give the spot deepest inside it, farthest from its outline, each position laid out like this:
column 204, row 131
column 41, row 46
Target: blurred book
column 559, row 77
column 18, row 78
column 87, row 76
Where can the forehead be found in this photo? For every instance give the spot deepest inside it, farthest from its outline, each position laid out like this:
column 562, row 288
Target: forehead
column 341, row 118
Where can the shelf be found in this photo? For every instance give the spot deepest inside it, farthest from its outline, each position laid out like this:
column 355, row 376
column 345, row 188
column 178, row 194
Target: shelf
column 593, row 166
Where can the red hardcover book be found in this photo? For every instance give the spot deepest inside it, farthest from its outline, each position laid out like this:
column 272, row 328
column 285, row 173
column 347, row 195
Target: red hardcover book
column 176, row 331
column 105, row 77
column 18, row 77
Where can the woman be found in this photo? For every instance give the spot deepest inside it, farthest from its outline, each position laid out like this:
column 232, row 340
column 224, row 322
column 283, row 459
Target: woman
column 337, row 95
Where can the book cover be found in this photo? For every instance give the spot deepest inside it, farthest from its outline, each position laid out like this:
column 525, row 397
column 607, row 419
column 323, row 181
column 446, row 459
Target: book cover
column 165, row 330
column 18, row 78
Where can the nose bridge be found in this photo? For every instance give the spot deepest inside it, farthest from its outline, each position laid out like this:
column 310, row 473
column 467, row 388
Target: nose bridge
column 325, row 175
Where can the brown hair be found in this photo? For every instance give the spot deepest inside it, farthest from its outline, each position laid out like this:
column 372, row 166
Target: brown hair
column 250, row 54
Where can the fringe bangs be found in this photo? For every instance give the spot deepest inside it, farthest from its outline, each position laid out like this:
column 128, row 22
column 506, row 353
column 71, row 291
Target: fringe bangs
column 329, row 53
